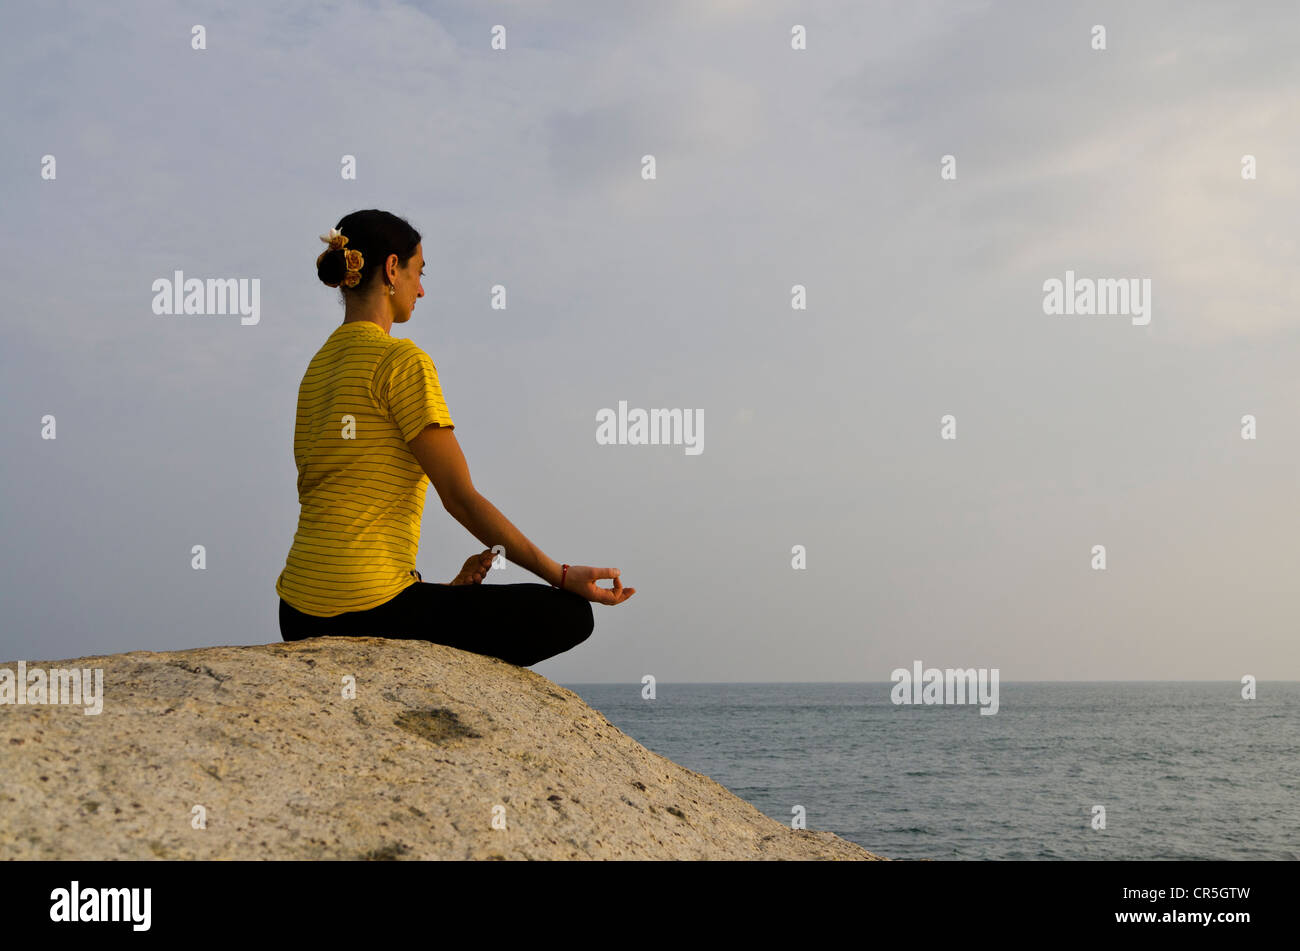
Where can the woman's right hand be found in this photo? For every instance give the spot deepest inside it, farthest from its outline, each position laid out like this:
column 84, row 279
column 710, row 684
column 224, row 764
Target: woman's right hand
column 581, row 579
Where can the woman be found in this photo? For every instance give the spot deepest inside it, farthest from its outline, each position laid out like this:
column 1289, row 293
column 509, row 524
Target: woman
column 372, row 430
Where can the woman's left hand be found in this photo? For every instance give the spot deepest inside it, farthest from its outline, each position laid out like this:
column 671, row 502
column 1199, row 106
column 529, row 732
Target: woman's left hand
column 475, row 569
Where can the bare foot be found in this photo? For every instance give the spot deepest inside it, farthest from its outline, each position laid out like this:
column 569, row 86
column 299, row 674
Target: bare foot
column 476, row 568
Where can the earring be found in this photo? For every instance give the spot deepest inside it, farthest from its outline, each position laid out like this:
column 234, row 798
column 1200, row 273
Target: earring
column 392, row 289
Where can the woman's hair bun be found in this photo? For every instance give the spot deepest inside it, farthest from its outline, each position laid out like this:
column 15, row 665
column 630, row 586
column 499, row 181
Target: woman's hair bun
column 330, row 266
column 366, row 239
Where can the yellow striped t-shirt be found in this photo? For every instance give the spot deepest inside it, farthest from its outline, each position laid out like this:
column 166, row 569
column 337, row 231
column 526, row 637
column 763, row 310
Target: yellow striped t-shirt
column 364, row 396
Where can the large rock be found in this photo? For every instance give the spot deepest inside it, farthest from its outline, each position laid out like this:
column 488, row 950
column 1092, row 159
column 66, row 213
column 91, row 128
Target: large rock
column 435, row 744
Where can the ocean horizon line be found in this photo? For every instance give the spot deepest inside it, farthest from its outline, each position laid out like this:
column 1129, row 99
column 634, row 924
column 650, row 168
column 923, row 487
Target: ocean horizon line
column 888, row 683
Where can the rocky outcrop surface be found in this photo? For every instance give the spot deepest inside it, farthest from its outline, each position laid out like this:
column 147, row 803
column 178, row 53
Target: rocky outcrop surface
column 262, row 753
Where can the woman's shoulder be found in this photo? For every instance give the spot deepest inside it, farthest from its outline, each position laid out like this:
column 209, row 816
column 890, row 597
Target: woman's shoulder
column 404, row 359
column 404, row 351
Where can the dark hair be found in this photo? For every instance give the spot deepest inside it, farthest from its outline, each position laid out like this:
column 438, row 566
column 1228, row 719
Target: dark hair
column 376, row 234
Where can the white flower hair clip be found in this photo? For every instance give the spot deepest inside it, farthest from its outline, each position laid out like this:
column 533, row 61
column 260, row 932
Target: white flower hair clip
column 334, row 239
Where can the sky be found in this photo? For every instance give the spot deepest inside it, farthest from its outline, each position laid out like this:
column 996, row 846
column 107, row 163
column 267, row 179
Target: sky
column 774, row 167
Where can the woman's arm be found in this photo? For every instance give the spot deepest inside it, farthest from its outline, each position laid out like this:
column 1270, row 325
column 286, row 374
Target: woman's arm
column 439, row 454
column 485, row 522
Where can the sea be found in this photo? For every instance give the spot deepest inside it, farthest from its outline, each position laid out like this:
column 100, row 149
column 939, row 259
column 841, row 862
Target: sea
column 1063, row 771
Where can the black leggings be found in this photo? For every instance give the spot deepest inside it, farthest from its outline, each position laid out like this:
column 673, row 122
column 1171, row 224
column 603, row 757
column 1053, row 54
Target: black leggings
column 522, row 624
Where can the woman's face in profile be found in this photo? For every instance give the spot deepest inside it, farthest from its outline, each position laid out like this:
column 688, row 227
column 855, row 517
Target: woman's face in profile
column 409, row 286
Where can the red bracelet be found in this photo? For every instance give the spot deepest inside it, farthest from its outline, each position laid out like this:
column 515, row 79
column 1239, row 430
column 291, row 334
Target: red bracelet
column 562, row 574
